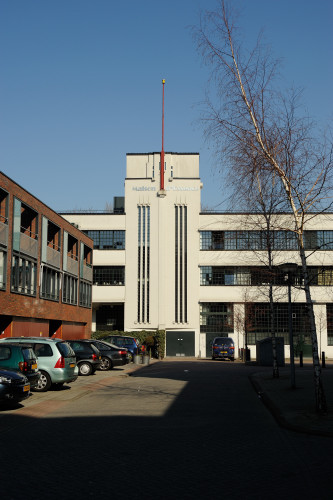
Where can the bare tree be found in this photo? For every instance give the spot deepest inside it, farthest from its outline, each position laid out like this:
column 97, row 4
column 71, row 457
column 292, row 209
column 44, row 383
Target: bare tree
column 254, row 120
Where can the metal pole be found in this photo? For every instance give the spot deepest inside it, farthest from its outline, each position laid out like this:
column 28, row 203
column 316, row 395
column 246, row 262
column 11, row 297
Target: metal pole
column 291, row 340
column 162, row 152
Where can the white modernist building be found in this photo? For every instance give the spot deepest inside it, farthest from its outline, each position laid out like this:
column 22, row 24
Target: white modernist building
column 162, row 263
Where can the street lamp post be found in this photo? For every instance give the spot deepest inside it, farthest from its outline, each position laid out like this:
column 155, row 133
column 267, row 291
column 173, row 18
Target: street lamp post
column 290, row 269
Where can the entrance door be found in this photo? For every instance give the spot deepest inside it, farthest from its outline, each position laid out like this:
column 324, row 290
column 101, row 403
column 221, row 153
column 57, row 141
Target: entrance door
column 209, row 340
column 180, row 343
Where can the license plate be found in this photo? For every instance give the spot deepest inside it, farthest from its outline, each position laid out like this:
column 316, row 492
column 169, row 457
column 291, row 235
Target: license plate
column 72, row 365
column 34, row 367
column 224, row 352
column 26, row 388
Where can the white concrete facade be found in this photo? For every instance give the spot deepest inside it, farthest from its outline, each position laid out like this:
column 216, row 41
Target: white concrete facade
column 162, row 256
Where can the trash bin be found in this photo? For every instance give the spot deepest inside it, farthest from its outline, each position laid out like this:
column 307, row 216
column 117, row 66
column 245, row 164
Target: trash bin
column 264, row 351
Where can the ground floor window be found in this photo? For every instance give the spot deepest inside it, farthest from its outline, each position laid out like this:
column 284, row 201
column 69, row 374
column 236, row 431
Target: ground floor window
column 69, row 289
column 85, row 294
column 3, row 266
column 50, row 283
column 329, row 314
column 23, row 276
column 110, row 317
column 258, row 323
column 216, row 317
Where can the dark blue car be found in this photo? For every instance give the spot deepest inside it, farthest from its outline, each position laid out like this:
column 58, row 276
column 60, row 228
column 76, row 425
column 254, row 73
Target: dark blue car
column 129, row 343
column 223, row 347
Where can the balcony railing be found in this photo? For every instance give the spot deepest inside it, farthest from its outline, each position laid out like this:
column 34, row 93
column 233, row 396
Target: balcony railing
column 87, row 273
column 53, row 257
column 28, row 245
column 72, row 266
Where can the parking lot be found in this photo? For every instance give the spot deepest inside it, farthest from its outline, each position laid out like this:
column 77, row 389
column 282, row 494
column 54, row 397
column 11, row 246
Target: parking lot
column 174, row 429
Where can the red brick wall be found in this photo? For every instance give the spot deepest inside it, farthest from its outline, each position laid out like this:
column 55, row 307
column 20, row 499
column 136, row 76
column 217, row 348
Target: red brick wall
column 34, row 308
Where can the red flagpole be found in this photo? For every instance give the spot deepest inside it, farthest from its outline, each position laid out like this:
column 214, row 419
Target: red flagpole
column 162, row 152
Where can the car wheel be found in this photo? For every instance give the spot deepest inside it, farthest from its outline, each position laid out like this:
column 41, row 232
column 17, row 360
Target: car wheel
column 213, row 357
column 44, row 382
column 106, row 364
column 232, row 359
column 85, row 369
column 130, row 356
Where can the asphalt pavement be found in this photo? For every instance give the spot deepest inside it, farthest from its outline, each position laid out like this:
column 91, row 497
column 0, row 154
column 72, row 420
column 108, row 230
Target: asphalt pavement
column 191, row 429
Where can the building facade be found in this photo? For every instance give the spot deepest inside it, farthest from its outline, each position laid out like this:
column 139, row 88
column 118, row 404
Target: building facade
column 162, row 263
column 45, row 269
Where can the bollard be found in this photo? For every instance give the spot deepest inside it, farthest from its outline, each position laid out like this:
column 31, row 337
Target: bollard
column 301, row 359
column 323, row 361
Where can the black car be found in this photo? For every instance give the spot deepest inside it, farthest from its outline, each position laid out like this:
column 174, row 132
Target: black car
column 14, row 386
column 20, row 357
column 111, row 354
column 88, row 357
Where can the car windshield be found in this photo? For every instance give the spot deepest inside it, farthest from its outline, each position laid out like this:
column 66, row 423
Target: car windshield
column 223, row 341
column 65, row 350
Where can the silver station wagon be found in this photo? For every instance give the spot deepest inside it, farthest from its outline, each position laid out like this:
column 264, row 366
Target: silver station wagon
column 55, row 358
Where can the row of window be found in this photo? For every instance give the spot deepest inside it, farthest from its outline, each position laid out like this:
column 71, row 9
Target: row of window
column 262, row 240
column 219, row 318
column 107, row 240
column 23, row 280
column 229, row 240
column 259, row 276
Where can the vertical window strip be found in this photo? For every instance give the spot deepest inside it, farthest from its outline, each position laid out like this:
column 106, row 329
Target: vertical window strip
column 143, row 263
column 176, row 264
column 139, row 264
column 148, row 264
column 181, row 264
column 185, row 264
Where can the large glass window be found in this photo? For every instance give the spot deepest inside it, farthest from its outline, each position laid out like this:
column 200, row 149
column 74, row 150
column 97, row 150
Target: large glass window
column 258, row 320
column 329, row 313
column 69, row 289
column 3, row 266
column 109, row 275
column 259, row 240
column 107, row 240
column 50, row 284
column 261, row 276
column 85, row 294
column 216, row 317
column 23, row 276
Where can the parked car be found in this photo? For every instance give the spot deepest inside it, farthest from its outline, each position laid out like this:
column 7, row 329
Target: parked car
column 223, row 347
column 88, row 357
column 111, row 354
column 20, row 357
column 14, row 386
column 55, row 358
column 129, row 343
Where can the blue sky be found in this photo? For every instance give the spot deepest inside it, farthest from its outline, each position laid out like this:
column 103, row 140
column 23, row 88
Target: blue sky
column 80, row 86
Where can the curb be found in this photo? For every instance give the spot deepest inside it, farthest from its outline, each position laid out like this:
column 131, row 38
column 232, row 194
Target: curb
column 278, row 415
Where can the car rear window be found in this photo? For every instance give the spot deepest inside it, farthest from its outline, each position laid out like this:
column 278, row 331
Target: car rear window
column 223, row 341
column 96, row 351
column 79, row 346
column 65, row 349
column 28, row 353
column 43, row 350
column 4, row 353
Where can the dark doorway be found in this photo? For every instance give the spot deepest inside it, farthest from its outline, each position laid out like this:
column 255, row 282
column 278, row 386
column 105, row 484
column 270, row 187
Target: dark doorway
column 5, row 325
column 54, row 326
column 110, row 318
